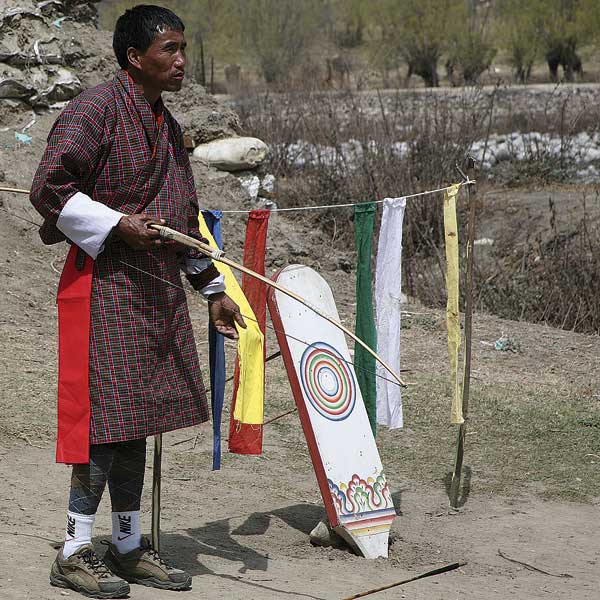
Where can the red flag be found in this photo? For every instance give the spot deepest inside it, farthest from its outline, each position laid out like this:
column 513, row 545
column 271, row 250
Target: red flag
column 74, row 292
column 245, row 438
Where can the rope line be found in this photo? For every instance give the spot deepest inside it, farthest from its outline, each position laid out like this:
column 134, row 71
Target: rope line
column 467, row 181
column 325, row 206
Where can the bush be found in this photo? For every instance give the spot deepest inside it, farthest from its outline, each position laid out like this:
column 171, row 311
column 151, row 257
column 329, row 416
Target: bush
column 554, row 280
column 331, row 149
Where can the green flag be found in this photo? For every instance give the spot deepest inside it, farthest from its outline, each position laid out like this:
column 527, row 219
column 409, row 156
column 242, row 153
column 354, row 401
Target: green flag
column 364, row 220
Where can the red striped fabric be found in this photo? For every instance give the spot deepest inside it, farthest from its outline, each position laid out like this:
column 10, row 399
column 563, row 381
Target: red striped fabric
column 245, row 438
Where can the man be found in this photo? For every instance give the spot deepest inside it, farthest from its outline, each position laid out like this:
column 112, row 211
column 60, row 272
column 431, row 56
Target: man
column 114, row 165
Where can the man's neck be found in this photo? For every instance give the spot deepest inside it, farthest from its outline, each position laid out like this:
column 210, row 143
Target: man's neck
column 150, row 94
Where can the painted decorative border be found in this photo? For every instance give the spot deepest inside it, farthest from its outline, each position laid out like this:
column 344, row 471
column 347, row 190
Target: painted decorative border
column 361, row 495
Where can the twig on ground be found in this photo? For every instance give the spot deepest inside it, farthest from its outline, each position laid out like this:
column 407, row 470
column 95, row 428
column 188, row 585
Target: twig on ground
column 54, row 268
column 31, row 535
column 23, row 437
column 182, row 441
column 532, row 568
column 285, row 414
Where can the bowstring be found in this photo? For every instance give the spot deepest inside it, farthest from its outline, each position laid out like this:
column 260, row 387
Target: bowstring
column 277, row 331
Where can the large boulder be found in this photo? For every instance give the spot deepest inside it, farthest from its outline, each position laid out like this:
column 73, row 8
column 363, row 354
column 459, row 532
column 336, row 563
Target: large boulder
column 233, row 154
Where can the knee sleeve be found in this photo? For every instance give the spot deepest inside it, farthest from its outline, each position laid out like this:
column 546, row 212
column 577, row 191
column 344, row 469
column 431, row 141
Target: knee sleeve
column 88, row 481
column 126, row 477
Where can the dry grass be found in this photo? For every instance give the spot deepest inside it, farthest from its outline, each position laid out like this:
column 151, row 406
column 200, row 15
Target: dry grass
column 521, row 439
column 553, row 279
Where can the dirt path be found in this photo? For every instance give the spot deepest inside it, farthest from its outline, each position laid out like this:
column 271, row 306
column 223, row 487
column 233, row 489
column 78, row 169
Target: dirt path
column 242, row 533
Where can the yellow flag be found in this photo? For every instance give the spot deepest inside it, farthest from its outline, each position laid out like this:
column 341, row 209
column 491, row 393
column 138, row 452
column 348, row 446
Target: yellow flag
column 251, row 390
column 452, row 311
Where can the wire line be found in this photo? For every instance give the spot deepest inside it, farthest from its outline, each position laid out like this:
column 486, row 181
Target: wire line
column 325, row 206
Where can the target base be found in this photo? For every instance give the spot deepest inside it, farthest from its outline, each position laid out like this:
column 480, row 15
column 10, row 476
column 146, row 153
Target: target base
column 355, row 492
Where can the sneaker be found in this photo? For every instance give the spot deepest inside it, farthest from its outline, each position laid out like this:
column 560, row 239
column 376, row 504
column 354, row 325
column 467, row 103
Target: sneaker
column 145, row 566
column 85, row 573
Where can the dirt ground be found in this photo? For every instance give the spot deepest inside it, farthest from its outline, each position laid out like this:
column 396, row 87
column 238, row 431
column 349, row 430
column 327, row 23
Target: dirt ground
column 243, row 532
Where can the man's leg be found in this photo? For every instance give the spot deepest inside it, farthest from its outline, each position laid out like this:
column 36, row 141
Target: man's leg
column 125, row 482
column 130, row 555
column 87, row 485
column 77, row 566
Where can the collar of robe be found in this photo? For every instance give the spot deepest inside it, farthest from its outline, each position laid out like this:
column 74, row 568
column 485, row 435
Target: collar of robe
column 135, row 101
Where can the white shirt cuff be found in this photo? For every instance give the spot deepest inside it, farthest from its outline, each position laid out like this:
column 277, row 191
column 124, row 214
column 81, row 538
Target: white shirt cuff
column 87, row 223
column 214, row 287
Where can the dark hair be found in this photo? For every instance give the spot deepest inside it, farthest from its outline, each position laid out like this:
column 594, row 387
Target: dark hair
column 138, row 26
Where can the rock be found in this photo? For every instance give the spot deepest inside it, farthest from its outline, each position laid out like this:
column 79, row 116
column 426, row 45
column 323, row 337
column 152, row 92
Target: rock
column 345, row 265
column 267, row 204
column 233, row 154
column 267, row 186
column 295, row 251
column 251, row 185
column 11, row 88
column 82, row 10
column 323, row 535
column 200, row 115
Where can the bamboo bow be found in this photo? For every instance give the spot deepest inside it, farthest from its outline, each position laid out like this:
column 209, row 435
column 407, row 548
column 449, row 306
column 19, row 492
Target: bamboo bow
column 216, row 254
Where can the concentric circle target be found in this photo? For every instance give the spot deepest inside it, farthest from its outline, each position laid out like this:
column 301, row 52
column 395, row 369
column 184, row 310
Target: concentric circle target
column 328, row 381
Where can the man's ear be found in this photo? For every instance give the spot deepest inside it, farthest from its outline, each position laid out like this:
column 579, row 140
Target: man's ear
column 134, row 57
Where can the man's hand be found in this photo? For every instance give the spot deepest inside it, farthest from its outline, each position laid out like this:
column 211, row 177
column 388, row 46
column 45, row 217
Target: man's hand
column 224, row 313
column 134, row 231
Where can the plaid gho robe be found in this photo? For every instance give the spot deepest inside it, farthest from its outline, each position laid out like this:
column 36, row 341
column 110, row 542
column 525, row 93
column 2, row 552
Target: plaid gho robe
column 144, row 376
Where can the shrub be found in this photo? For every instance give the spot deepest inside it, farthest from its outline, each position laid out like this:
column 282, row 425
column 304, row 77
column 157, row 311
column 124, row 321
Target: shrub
column 340, row 148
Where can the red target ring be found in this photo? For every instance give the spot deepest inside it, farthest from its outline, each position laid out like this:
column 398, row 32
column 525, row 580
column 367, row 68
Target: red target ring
column 327, row 381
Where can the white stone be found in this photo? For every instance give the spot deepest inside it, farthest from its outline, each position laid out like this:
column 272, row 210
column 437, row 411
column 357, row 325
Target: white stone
column 251, row 185
column 233, row 154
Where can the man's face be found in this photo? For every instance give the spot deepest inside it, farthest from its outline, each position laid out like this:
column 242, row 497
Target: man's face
column 163, row 63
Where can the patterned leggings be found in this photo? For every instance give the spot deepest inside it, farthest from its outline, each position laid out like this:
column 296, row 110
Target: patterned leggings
column 122, row 464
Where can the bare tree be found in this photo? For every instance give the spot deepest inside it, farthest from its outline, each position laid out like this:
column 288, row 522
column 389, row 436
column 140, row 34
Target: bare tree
column 278, row 33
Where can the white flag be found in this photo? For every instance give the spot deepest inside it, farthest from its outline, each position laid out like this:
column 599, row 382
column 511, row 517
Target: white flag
column 388, row 284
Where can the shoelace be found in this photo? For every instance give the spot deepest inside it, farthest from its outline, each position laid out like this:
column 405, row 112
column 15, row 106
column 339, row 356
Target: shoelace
column 95, row 563
column 155, row 555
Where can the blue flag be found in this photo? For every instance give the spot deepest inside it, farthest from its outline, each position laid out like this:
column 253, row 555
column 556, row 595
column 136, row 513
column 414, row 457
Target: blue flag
column 216, row 353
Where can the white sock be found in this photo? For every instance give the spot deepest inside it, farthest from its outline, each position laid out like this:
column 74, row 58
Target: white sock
column 126, row 530
column 79, row 532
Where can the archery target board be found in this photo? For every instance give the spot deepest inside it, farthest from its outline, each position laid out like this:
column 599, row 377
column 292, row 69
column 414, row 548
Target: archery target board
column 355, row 492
